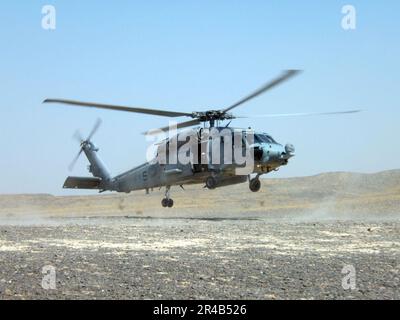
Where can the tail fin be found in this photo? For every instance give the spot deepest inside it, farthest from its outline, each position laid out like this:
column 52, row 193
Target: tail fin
column 97, row 167
column 101, row 177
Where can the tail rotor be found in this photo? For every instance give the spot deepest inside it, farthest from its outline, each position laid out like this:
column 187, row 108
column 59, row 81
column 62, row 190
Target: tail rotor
column 84, row 142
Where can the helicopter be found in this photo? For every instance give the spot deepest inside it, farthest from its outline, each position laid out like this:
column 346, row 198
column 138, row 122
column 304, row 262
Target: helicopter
column 213, row 155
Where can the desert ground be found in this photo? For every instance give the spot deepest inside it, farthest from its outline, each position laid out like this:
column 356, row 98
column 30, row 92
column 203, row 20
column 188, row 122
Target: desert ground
column 292, row 240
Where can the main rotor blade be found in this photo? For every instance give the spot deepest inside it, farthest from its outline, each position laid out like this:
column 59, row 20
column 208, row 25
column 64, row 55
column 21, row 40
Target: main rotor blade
column 285, row 76
column 95, row 128
column 298, row 114
column 71, row 166
column 155, row 112
column 178, row 126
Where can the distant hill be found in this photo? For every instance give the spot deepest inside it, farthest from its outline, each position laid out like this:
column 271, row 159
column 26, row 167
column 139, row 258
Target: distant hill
column 336, row 192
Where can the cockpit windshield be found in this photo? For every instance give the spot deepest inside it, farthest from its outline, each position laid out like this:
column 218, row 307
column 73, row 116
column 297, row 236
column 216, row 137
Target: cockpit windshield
column 263, row 138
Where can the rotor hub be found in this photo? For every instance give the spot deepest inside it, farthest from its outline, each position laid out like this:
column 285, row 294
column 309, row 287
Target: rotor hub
column 212, row 115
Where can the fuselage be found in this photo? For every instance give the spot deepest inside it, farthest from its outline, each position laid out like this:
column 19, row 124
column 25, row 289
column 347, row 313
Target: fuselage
column 229, row 154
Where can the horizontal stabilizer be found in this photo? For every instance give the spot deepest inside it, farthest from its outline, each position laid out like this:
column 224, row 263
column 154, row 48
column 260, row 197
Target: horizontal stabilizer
column 81, row 183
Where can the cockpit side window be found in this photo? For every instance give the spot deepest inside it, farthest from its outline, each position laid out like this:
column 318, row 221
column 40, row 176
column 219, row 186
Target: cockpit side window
column 263, row 138
column 270, row 139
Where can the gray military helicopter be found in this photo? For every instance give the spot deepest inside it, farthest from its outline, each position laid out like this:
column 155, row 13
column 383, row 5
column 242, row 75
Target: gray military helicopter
column 199, row 146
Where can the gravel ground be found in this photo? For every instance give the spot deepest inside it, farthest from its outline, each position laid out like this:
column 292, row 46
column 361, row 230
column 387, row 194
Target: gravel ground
column 139, row 258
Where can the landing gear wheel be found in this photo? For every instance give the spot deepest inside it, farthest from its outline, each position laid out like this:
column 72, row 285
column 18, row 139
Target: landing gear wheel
column 164, row 202
column 211, row 183
column 167, row 201
column 255, row 185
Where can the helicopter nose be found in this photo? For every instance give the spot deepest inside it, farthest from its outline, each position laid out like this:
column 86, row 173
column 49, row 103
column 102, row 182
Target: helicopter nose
column 268, row 152
column 273, row 152
column 289, row 151
column 277, row 152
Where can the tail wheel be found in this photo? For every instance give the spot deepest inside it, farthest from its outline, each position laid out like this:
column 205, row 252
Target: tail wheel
column 211, row 183
column 255, row 185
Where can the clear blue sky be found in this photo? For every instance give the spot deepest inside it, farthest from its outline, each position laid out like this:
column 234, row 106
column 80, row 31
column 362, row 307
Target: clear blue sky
column 192, row 55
